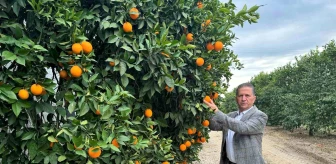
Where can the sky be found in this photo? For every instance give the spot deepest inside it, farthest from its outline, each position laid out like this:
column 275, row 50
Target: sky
column 286, row 28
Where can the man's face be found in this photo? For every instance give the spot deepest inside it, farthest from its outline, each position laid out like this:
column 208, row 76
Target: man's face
column 245, row 98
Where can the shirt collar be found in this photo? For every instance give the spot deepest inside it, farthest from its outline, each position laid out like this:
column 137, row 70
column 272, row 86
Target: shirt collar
column 244, row 111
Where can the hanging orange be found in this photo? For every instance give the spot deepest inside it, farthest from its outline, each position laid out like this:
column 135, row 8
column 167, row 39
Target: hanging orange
column 134, row 13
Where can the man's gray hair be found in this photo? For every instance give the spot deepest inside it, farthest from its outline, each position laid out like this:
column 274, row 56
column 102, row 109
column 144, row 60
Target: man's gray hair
column 245, row 85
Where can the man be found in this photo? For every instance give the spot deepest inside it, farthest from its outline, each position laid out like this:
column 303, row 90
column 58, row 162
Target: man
column 242, row 129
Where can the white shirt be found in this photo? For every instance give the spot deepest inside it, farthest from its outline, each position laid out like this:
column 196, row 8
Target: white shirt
column 229, row 139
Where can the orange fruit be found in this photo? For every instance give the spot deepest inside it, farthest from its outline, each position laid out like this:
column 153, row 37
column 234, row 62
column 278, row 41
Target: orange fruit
column 198, row 140
column 115, row 143
column 43, row 91
column 94, row 152
column 190, row 131
column 199, row 4
column 157, row 32
column 183, row 147
column 199, row 61
column 169, row 89
column 207, row 22
column 134, row 13
column 63, row 74
column 194, row 130
column 136, row 162
column 192, row 141
column 189, row 37
column 127, row 27
column 207, row 99
column 218, row 46
column 210, row 46
column 112, row 64
column 23, row 94
column 77, row 48
column 206, row 123
column 135, row 140
column 199, row 134
column 36, row 89
column 188, row 143
column 97, row 112
column 214, row 84
column 208, row 67
column 87, row 47
column 165, row 162
column 215, row 95
column 203, row 139
column 148, row 113
column 76, row 71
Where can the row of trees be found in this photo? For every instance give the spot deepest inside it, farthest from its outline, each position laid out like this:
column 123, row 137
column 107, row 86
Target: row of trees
column 299, row 94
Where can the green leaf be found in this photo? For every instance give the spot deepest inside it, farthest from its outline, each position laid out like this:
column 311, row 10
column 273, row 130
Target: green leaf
column 84, row 109
column 124, row 80
column 9, row 94
column 61, row 158
column 81, row 152
column 253, row 9
column 169, row 81
column 16, row 8
column 123, row 68
column 72, row 107
column 16, row 109
column 93, row 77
column 8, row 55
column 60, row 20
column 112, row 39
column 32, row 149
column 69, row 96
column 127, row 48
column 52, row 139
column 28, row 135
column 40, row 48
column 21, row 60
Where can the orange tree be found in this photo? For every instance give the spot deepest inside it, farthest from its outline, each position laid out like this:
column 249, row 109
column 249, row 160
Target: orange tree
column 112, row 81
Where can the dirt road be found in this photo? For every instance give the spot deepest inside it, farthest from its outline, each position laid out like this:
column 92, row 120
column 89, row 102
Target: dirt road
column 281, row 147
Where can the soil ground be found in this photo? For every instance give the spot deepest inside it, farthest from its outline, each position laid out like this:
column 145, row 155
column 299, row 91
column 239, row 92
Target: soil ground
column 281, row 147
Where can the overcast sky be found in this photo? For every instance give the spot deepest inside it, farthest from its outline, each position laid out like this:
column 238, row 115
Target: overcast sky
column 286, row 28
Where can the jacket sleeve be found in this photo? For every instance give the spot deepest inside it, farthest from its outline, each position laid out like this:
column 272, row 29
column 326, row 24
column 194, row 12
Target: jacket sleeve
column 253, row 125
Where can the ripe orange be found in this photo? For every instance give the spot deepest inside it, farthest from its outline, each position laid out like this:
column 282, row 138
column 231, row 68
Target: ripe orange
column 115, row 143
column 165, row 162
column 199, row 4
column 127, row 27
column 134, row 13
column 148, row 113
column 87, row 47
column 203, row 139
column 206, row 123
column 188, row 143
column 183, row 147
column 94, row 152
column 218, row 46
column 215, row 95
column 208, row 67
column 210, row 46
column 189, row 37
column 63, row 74
column 76, row 71
column 97, row 112
column 207, row 22
column 112, row 64
column 136, row 162
column 199, row 134
column 190, row 131
column 207, row 99
column 36, row 89
column 23, row 94
column 77, row 48
column 199, row 61
column 214, row 84
column 169, row 89
column 135, row 140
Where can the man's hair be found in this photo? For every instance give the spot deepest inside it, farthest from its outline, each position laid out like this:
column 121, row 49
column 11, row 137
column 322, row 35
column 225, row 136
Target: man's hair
column 245, row 85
